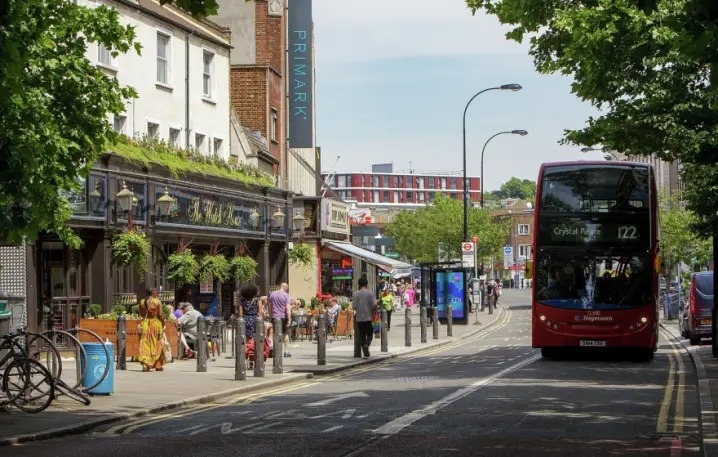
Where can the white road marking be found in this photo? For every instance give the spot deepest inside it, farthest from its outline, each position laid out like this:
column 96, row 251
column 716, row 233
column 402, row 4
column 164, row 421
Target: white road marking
column 398, row 424
column 337, row 398
column 332, row 429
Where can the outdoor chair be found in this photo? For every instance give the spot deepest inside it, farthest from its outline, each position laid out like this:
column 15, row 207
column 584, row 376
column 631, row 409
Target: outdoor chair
column 213, row 336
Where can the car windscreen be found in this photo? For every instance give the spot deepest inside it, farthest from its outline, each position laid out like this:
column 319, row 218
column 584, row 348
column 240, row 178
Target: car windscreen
column 704, row 283
column 584, row 279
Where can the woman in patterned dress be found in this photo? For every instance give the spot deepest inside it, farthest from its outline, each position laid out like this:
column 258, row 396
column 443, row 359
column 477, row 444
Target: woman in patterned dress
column 249, row 308
column 151, row 330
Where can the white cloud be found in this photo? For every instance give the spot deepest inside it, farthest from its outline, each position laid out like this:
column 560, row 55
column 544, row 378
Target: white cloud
column 380, row 29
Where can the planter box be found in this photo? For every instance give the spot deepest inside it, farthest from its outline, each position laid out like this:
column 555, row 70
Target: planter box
column 107, row 330
column 345, row 317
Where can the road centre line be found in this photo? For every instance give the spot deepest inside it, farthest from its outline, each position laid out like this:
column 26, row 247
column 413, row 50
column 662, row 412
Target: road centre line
column 395, row 426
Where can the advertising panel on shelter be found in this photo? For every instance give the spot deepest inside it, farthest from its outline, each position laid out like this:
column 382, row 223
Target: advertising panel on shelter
column 449, row 288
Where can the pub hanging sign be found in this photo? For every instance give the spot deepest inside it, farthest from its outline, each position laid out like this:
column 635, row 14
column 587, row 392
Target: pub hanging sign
column 206, row 210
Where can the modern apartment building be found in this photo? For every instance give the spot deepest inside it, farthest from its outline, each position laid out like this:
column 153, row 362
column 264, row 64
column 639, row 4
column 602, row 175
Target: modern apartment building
column 384, row 187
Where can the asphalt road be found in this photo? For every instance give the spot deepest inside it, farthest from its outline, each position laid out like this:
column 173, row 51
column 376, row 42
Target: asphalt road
column 489, row 395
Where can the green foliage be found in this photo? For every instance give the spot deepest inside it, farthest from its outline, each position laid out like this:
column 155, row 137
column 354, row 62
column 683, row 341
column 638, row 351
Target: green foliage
column 216, row 266
column 344, row 302
column 303, row 303
column 93, row 310
column 243, row 268
column 418, row 233
column 301, row 255
column 314, row 303
column 182, row 268
column 650, row 66
column 54, row 110
column 525, row 189
column 114, row 315
column 701, row 192
column 118, row 309
column 135, row 309
column 679, row 243
column 147, row 151
column 131, row 247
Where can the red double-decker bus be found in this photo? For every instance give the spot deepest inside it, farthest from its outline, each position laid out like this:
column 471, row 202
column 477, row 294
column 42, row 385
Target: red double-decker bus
column 594, row 269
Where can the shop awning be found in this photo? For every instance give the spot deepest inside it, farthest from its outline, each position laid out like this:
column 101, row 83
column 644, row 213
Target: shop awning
column 392, row 266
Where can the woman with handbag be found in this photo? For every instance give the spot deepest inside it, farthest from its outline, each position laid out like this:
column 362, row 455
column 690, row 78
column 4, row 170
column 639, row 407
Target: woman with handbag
column 151, row 336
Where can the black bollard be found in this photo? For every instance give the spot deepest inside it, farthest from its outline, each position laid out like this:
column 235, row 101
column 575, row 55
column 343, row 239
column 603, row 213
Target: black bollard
column 122, row 343
column 321, row 339
column 422, row 322
column 240, row 357
column 277, row 367
column 407, row 328
column 259, row 347
column 384, row 332
column 357, row 339
column 201, row 344
column 435, row 320
column 449, row 320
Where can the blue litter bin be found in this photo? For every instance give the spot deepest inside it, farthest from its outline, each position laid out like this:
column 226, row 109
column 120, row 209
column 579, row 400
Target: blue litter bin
column 96, row 363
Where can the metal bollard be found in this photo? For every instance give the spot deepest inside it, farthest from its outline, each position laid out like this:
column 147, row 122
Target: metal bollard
column 384, row 332
column 449, row 320
column 122, row 343
column 235, row 334
column 240, row 357
column 321, row 339
column 422, row 322
column 180, row 349
column 277, row 367
column 201, row 344
column 357, row 340
column 407, row 328
column 436, row 322
column 259, row 347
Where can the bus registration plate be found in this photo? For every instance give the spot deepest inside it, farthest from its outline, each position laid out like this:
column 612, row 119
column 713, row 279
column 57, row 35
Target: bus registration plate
column 592, row 343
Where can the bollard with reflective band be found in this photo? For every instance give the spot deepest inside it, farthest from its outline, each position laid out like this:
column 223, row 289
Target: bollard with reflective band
column 201, row 344
column 357, row 340
column 407, row 328
column 435, row 319
column 449, row 320
column 321, row 339
column 384, row 332
column 240, row 357
column 277, row 366
column 121, row 343
column 259, row 347
column 422, row 322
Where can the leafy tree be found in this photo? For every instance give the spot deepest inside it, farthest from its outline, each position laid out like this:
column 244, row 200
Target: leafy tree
column 55, row 106
column 651, row 66
column 680, row 244
column 525, row 189
column 418, row 233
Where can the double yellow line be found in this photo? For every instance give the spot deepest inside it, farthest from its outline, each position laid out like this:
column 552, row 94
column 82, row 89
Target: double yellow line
column 675, row 358
column 246, row 399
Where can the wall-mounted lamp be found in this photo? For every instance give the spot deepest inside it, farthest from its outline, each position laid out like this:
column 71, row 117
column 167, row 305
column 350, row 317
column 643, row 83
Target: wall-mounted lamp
column 254, row 218
column 164, row 203
column 126, row 199
column 278, row 218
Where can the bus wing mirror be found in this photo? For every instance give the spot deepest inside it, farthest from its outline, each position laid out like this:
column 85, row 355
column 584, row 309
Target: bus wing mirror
column 660, row 265
column 529, row 269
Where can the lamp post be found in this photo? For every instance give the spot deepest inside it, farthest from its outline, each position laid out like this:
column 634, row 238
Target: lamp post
column 512, row 132
column 299, row 224
column 608, row 155
column 126, row 199
column 277, row 219
column 512, row 87
column 164, row 203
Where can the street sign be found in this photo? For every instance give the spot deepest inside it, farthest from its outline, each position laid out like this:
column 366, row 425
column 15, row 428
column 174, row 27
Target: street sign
column 508, row 250
column 467, row 247
column 468, row 257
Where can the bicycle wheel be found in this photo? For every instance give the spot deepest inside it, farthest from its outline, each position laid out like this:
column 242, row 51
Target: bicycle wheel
column 80, row 353
column 109, row 357
column 42, row 349
column 29, row 384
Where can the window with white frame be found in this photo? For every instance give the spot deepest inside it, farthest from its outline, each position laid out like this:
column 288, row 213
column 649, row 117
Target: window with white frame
column 153, row 130
column 119, row 123
column 525, row 251
column 523, row 229
column 163, row 58
column 207, row 73
column 216, row 145
column 199, row 141
column 273, row 126
column 104, row 56
column 175, row 137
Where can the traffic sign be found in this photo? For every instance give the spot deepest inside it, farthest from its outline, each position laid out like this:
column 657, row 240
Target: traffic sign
column 508, row 250
column 468, row 256
column 467, row 247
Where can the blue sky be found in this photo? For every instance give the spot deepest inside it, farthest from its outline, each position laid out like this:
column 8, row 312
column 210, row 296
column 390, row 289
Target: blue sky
column 394, row 76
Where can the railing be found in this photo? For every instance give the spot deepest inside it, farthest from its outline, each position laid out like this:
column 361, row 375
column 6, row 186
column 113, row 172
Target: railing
column 124, row 299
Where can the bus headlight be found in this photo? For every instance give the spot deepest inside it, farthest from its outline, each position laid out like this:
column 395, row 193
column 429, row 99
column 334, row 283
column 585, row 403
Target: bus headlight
column 630, row 327
column 644, row 320
column 542, row 318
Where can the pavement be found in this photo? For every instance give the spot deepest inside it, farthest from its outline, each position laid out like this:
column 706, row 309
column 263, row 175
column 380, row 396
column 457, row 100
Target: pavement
column 707, row 370
column 139, row 394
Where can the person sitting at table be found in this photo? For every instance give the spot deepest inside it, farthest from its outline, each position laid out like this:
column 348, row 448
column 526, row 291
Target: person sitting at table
column 332, row 315
column 188, row 324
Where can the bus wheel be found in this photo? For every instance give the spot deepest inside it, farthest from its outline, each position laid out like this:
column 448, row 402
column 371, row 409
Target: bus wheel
column 646, row 354
column 694, row 340
column 549, row 353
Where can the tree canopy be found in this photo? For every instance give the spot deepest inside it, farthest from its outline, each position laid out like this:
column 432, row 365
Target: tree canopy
column 680, row 244
column 651, row 66
column 418, row 233
column 54, row 115
column 525, row 189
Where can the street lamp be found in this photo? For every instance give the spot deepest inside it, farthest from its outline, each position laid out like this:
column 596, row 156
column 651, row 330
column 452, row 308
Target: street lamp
column 126, row 199
column 511, row 87
column 298, row 224
column 512, row 132
column 608, row 155
column 164, row 203
column 254, row 218
column 277, row 218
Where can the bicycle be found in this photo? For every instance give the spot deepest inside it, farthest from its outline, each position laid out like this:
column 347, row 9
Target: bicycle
column 26, row 383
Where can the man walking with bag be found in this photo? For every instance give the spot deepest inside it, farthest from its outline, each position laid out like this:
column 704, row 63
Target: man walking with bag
column 363, row 303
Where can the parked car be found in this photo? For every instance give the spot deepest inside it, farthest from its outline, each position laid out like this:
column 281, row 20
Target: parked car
column 700, row 307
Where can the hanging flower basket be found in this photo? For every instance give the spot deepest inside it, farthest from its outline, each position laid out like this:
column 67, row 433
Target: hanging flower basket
column 131, row 247
column 182, row 268
column 301, row 255
column 216, row 266
column 243, row 268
